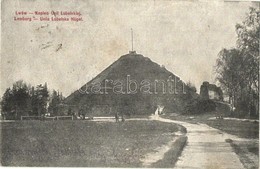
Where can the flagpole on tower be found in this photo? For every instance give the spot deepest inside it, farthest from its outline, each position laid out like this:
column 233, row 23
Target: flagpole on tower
column 132, row 42
column 132, row 36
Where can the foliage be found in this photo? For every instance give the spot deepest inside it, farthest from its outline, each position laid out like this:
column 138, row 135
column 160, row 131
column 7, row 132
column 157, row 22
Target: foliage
column 55, row 101
column 22, row 99
column 199, row 106
column 42, row 99
column 191, row 87
column 15, row 100
column 237, row 69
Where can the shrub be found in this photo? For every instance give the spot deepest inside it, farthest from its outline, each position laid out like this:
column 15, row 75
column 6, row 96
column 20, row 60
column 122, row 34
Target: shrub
column 199, row 106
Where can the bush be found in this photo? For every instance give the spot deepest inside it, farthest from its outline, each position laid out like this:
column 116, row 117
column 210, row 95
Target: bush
column 199, row 106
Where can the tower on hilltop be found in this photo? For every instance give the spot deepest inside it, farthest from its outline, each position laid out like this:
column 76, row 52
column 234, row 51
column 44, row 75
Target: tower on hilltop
column 132, row 42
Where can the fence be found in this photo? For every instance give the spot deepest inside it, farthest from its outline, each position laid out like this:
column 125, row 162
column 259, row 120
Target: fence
column 64, row 117
column 31, row 118
column 47, row 118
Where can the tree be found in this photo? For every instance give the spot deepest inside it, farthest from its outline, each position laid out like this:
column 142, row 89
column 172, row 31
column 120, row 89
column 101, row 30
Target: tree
column 34, row 103
column 248, row 33
column 238, row 69
column 41, row 99
column 23, row 100
column 15, row 101
column 248, row 42
column 55, row 100
column 7, row 103
column 229, row 73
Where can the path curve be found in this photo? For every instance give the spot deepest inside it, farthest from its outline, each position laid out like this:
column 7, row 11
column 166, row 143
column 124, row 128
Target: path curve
column 206, row 148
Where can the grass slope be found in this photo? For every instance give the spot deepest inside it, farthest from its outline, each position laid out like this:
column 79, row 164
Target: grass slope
column 171, row 157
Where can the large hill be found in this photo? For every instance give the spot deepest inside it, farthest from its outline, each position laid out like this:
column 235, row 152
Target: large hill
column 114, row 88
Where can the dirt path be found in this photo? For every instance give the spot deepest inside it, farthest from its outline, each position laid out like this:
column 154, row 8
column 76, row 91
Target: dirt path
column 206, row 148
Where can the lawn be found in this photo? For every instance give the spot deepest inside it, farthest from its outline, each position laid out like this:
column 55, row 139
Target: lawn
column 247, row 151
column 241, row 129
column 82, row 143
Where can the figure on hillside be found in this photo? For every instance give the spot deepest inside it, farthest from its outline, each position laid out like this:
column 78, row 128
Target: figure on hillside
column 123, row 118
column 70, row 112
column 117, row 117
column 81, row 114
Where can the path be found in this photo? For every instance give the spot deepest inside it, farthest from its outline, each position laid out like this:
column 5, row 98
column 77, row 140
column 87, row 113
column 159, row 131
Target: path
column 206, row 148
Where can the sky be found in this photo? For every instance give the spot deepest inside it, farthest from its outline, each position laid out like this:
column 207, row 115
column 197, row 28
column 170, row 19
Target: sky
column 184, row 36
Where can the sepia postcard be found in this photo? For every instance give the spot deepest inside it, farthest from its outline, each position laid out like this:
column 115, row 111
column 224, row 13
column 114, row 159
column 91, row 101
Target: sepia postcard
column 130, row 84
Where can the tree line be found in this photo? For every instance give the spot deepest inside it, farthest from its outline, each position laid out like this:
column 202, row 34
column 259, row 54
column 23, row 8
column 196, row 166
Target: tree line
column 237, row 69
column 22, row 99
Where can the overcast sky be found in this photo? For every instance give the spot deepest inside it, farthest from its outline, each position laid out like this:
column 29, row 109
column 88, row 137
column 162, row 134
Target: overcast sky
column 184, row 36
